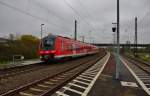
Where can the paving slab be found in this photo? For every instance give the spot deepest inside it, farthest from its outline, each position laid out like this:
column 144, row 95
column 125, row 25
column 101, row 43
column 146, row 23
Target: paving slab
column 107, row 85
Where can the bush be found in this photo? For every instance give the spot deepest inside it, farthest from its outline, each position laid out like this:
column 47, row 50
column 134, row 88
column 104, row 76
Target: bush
column 26, row 45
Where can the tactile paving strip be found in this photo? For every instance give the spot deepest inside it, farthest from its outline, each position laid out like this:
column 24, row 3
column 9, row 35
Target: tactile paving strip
column 82, row 84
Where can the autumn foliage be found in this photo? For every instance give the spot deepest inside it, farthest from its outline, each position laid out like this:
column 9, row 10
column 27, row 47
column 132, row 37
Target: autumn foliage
column 25, row 45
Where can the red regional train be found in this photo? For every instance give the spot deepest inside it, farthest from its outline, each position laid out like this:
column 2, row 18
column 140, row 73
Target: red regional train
column 58, row 47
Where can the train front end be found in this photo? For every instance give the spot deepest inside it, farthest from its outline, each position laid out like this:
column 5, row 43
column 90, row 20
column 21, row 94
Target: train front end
column 47, row 48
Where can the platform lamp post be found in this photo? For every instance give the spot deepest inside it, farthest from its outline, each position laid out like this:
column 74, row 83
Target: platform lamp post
column 42, row 30
column 118, row 45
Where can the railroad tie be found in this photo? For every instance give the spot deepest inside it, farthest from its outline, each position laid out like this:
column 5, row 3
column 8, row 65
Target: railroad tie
column 62, row 76
column 26, row 94
column 36, row 89
column 48, row 82
column 59, row 78
column 40, row 85
column 54, row 80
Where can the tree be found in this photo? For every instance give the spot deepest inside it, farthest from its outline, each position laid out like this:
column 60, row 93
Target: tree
column 26, row 45
column 30, row 44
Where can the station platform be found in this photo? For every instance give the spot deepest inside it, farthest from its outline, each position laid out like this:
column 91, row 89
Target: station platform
column 20, row 63
column 107, row 85
column 32, row 61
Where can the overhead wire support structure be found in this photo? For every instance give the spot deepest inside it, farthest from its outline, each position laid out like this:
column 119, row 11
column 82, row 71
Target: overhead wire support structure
column 75, row 32
column 118, row 45
column 135, row 41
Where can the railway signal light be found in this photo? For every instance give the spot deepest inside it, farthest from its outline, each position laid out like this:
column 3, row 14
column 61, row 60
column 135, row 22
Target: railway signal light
column 113, row 29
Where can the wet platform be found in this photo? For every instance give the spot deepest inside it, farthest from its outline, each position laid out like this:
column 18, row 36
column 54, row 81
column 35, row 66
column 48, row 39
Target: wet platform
column 107, row 85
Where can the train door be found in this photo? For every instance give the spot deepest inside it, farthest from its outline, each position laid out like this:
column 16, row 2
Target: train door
column 74, row 48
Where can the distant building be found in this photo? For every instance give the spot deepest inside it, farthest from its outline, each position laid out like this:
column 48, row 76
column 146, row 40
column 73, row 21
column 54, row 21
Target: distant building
column 3, row 40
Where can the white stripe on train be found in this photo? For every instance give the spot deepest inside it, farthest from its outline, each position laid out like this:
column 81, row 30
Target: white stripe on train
column 74, row 55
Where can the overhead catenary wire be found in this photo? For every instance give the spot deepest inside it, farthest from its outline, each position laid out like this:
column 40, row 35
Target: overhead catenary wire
column 145, row 15
column 78, row 14
column 85, row 9
column 31, row 15
column 48, row 10
column 140, row 20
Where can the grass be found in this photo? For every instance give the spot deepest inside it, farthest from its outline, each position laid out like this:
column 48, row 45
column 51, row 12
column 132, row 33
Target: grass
column 144, row 56
column 4, row 63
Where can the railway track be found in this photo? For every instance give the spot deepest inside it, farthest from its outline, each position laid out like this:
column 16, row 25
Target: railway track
column 16, row 70
column 9, row 72
column 140, row 71
column 13, row 81
column 48, row 85
column 142, row 65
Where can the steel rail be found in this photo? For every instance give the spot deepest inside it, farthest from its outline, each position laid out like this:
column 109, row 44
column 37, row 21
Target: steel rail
column 139, row 65
column 5, row 73
column 29, row 85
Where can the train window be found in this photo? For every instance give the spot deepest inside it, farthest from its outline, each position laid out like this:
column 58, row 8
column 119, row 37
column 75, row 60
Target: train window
column 48, row 44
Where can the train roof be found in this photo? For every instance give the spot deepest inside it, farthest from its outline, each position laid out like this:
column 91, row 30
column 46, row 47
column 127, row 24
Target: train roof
column 55, row 36
column 50, row 36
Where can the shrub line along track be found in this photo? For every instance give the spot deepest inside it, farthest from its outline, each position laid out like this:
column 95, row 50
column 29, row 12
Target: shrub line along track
column 140, row 71
column 140, row 61
column 51, row 83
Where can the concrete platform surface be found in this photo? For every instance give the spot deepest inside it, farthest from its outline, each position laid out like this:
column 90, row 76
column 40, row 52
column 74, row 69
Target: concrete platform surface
column 20, row 63
column 107, row 85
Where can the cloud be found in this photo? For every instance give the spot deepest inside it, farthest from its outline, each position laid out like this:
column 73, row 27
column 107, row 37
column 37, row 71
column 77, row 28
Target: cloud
column 25, row 17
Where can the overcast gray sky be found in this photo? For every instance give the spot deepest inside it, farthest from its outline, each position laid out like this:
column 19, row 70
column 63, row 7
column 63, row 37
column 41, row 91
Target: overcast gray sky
column 94, row 18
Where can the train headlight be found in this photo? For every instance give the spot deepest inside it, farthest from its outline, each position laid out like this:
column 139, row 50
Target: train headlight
column 41, row 52
column 53, row 51
column 47, row 52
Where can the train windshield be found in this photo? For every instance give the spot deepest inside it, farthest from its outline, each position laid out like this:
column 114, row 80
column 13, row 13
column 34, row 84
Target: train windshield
column 48, row 44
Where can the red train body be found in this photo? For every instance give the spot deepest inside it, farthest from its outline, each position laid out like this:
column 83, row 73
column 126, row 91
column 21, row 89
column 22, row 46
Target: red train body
column 57, row 47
